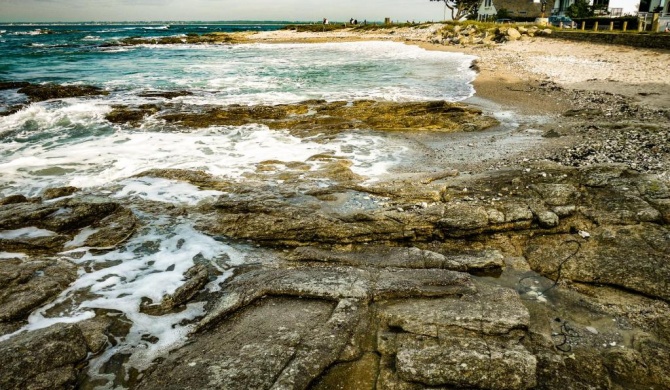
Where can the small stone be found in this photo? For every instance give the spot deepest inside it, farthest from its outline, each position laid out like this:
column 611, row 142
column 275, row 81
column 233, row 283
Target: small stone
column 592, row 329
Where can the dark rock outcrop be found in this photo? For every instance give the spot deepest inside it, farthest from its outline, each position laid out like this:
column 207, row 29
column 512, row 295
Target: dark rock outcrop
column 191, row 39
column 54, row 193
column 165, row 94
column 4, row 85
column 42, row 359
column 41, row 92
column 315, row 117
column 61, row 221
column 28, row 284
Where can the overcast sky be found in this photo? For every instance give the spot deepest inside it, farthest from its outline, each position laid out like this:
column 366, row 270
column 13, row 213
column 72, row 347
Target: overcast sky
column 130, row 10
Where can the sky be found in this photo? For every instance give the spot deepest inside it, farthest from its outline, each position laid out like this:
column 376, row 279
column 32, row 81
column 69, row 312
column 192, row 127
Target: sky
column 191, row 10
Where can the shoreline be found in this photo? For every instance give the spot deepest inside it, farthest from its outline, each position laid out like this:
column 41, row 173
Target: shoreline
column 519, row 65
column 573, row 98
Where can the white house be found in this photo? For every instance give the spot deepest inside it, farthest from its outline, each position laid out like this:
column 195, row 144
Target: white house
column 626, row 7
column 486, row 10
column 615, row 7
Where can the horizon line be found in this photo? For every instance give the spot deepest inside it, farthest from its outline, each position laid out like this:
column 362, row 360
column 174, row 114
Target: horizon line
column 181, row 21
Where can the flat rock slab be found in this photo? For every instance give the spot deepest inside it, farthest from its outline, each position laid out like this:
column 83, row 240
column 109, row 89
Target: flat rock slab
column 337, row 283
column 492, row 311
column 468, row 363
column 274, row 343
column 635, row 257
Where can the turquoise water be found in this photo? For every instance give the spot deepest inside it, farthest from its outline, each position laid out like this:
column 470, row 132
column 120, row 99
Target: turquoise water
column 73, row 136
column 226, row 74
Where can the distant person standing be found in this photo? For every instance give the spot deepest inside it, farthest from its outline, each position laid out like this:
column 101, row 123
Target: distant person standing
column 325, row 21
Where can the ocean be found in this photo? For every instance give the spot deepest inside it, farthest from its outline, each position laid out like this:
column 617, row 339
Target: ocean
column 68, row 142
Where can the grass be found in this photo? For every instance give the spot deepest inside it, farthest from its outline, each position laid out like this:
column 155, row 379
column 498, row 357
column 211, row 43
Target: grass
column 334, row 26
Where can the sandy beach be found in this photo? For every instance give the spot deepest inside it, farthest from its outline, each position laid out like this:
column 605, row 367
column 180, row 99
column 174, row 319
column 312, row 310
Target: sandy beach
column 539, row 79
column 506, row 68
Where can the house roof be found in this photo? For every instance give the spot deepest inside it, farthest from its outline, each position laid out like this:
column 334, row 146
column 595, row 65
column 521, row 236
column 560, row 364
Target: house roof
column 523, row 7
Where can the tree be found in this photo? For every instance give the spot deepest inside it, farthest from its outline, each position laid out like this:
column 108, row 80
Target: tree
column 503, row 13
column 460, row 8
column 579, row 9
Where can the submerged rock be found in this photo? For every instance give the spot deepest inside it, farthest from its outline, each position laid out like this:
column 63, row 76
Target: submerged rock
column 209, row 38
column 41, row 92
column 49, row 227
column 165, row 94
column 54, row 193
column 4, row 85
column 131, row 116
column 315, row 117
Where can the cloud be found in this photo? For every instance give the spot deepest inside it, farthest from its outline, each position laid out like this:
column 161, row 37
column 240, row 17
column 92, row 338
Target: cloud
column 128, row 10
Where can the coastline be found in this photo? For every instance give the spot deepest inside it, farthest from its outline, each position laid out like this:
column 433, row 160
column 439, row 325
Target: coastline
column 550, row 86
column 521, row 65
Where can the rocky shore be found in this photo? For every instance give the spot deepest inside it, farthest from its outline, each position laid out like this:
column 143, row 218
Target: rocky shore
column 537, row 267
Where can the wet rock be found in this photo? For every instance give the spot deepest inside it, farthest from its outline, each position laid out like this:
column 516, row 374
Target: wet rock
column 551, row 134
column 548, row 219
column 468, row 363
column 288, row 326
column 357, row 375
column 95, row 333
column 111, row 230
column 380, row 257
column 165, row 94
column 38, row 93
column 336, row 283
column 192, row 39
column 585, row 112
column 633, row 257
column 53, row 193
column 42, row 359
column 131, row 116
column 276, row 342
column 196, row 278
column 459, row 217
column 28, row 284
column 315, row 117
column 12, row 199
column 458, row 342
column 62, row 222
column 4, row 85
column 556, row 194
column 273, row 220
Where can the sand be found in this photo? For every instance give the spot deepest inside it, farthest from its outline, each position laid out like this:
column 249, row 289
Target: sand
column 510, row 72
